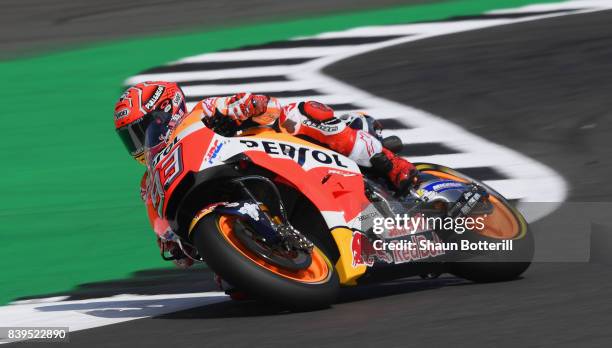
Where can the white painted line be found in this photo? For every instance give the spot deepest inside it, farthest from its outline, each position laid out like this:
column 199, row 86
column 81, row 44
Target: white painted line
column 565, row 5
column 216, row 74
column 409, row 29
column 86, row 314
column 272, row 53
column 247, row 87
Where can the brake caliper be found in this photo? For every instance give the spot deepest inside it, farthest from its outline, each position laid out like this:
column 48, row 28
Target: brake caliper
column 293, row 239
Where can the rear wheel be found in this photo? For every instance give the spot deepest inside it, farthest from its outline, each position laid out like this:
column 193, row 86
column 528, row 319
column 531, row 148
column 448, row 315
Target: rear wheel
column 504, row 223
column 313, row 286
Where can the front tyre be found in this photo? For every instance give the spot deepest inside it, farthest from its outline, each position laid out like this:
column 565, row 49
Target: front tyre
column 311, row 288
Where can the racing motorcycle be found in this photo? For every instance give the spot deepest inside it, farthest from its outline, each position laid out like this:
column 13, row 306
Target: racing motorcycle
column 288, row 221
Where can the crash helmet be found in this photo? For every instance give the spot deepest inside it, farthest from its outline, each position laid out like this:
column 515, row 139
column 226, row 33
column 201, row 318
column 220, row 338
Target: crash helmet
column 140, row 105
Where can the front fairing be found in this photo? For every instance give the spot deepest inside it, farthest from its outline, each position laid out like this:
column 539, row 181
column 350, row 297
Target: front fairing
column 332, row 182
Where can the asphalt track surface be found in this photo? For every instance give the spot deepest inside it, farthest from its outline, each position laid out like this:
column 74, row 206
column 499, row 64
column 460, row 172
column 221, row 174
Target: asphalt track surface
column 33, row 26
column 555, row 305
column 541, row 88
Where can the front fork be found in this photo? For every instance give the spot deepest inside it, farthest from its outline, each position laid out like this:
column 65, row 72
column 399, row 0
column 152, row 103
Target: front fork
column 276, row 230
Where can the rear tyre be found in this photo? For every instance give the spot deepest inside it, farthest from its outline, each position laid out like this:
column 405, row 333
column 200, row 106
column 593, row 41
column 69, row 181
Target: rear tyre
column 313, row 288
column 496, row 266
column 506, row 223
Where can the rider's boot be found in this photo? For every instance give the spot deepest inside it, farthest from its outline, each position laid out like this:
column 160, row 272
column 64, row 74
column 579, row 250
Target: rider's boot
column 402, row 174
column 174, row 252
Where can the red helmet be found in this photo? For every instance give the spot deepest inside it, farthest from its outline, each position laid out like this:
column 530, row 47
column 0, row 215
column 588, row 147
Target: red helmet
column 135, row 108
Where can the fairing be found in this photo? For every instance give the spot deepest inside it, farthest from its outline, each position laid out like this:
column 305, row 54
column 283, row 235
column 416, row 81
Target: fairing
column 332, row 182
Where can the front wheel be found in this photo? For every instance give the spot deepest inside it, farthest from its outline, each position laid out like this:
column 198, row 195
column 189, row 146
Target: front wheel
column 316, row 286
column 504, row 223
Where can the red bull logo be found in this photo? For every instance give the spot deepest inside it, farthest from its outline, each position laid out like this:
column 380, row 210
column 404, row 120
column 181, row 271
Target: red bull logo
column 418, row 252
column 364, row 252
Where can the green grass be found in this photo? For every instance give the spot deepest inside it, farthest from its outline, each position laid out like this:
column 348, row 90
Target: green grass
column 70, row 210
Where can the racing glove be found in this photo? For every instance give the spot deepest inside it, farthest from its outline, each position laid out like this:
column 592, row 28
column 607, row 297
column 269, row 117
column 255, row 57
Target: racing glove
column 222, row 124
column 243, row 106
column 234, row 110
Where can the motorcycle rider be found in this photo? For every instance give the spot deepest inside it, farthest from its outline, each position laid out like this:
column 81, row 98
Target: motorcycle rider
column 139, row 104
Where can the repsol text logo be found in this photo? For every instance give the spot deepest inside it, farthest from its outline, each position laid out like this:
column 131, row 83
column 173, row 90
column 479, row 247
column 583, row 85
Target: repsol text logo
column 297, row 153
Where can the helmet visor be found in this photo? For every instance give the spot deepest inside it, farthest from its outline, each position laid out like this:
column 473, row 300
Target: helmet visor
column 156, row 133
column 133, row 136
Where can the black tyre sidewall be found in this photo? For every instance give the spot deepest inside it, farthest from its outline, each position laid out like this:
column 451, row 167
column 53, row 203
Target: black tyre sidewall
column 498, row 265
column 255, row 280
